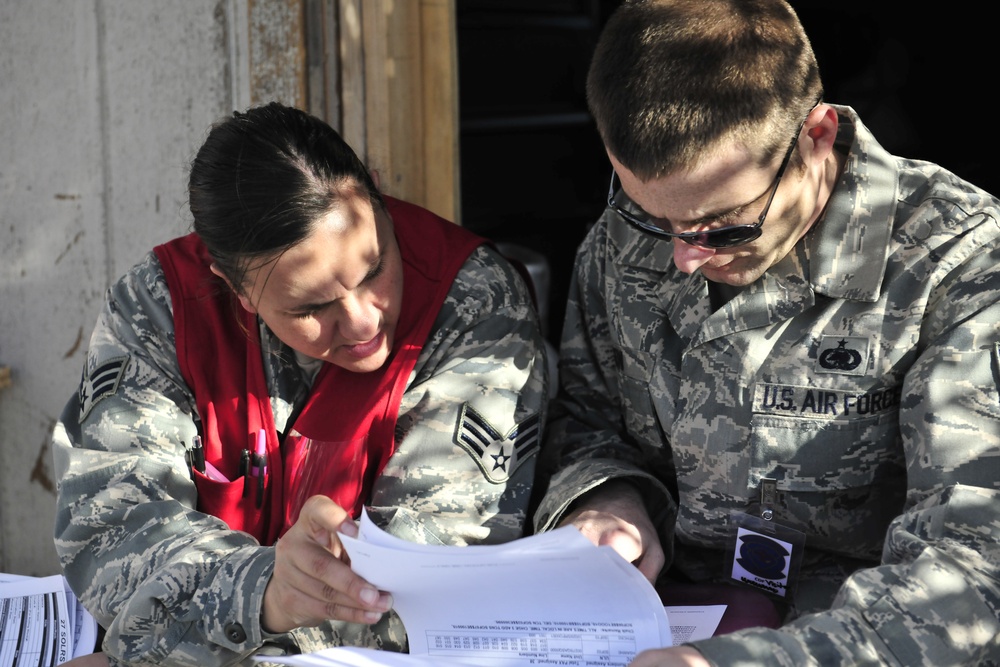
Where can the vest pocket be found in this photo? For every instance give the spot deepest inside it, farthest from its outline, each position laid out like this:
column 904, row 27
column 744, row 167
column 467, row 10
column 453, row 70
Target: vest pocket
column 234, row 502
column 337, row 470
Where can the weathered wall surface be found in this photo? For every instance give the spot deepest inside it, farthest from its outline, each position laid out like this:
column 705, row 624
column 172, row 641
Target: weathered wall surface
column 103, row 104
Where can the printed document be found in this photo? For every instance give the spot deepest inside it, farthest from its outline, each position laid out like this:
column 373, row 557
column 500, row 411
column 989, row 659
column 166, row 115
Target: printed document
column 548, row 599
column 42, row 622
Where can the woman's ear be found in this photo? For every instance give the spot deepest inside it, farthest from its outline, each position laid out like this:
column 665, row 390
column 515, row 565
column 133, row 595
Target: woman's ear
column 244, row 300
column 375, row 178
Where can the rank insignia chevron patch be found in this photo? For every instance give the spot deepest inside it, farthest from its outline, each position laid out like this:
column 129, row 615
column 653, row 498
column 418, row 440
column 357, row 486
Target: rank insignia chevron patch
column 498, row 455
column 102, row 382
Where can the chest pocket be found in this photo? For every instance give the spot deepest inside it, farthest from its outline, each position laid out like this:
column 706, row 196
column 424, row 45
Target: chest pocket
column 836, row 454
column 646, row 389
column 647, row 386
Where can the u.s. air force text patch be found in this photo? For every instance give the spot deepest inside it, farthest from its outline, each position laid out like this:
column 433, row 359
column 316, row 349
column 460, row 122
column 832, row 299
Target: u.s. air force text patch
column 497, row 454
column 100, row 383
column 818, row 403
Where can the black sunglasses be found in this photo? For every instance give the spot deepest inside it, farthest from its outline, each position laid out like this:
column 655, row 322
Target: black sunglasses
column 723, row 237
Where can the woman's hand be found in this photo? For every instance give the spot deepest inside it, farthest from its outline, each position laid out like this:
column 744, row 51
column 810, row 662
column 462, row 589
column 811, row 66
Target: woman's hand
column 313, row 580
column 89, row 660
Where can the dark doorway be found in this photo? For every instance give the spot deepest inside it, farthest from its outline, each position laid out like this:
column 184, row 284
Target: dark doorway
column 919, row 80
column 533, row 171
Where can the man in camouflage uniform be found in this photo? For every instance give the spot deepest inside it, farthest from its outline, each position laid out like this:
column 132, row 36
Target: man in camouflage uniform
column 848, row 357
column 176, row 586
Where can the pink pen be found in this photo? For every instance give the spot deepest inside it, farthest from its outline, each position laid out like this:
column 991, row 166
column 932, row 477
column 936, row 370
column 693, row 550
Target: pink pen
column 213, row 473
column 260, row 465
column 260, row 454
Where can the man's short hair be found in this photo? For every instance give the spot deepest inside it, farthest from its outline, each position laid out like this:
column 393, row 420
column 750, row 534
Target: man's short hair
column 673, row 79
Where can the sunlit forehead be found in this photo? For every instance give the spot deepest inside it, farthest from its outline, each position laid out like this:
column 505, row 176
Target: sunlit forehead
column 717, row 191
column 339, row 255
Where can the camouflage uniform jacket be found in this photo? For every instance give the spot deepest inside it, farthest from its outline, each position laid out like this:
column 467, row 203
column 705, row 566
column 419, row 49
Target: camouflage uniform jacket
column 174, row 586
column 860, row 372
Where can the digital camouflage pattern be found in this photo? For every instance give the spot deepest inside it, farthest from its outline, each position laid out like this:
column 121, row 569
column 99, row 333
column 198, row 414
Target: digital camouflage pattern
column 176, row 587
column 860, row 372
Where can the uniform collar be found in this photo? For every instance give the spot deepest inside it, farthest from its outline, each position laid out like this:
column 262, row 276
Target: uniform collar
column 849, row 245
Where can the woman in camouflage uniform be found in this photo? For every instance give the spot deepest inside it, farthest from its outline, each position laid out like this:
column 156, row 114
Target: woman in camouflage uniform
column 377, row 355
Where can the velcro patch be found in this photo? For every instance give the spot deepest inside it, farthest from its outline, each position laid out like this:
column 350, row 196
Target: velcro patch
column 846, row 355
column 817, row 403
column 101, row 383
column 498, row 455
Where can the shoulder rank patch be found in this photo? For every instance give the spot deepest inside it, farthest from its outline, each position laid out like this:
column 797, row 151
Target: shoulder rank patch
column 498, row 455
column 101, row 383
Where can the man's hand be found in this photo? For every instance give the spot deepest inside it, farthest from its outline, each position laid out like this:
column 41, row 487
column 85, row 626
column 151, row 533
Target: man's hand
column 614, row 515
column 679, row 656
column 312, row 580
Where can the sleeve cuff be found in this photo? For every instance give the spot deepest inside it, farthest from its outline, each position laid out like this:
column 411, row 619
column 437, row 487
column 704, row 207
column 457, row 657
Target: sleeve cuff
column 234, row 601
column 575, row 481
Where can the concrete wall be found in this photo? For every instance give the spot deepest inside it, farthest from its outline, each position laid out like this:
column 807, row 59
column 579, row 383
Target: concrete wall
column 103, row 104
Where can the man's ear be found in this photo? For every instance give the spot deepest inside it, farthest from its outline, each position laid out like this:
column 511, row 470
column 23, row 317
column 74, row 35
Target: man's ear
column 244, row 300
column 821, row 130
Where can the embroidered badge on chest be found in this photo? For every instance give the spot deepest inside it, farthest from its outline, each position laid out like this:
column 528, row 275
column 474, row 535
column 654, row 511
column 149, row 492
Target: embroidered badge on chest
column 101, row 383
column 847, row 355
column 497, row 454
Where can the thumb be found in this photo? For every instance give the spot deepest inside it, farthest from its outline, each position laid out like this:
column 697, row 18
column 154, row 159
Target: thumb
column 323, row 519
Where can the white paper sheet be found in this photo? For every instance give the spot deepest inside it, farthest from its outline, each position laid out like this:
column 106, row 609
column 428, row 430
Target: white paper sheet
column 549, row 599
column 41, row 619
column 35, row 626
column 689, row 624
column 83, row 624
column 347, row 656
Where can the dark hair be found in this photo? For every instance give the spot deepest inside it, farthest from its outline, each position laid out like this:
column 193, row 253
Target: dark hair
column 263, row 178
column 671, row 78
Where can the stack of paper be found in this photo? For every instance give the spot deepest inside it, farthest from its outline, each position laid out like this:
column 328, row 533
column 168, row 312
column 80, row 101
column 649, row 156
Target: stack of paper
column 549, row 599
column 42, row 622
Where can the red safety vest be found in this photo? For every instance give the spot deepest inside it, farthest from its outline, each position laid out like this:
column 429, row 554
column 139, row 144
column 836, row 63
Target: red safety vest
column 349, row 418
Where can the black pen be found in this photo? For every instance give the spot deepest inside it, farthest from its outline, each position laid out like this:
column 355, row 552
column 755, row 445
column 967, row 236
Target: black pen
column 245, row 470
column 261, row 470
column 187, row 459
column 197, row 454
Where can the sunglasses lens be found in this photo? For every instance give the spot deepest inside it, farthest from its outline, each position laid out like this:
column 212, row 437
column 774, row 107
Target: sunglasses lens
column 725, row 238
column 720, row 238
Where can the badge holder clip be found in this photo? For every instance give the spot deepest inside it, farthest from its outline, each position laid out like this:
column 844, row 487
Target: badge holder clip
column 763, row 553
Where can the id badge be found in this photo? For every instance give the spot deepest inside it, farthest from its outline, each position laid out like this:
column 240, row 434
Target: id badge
column 762, row 553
